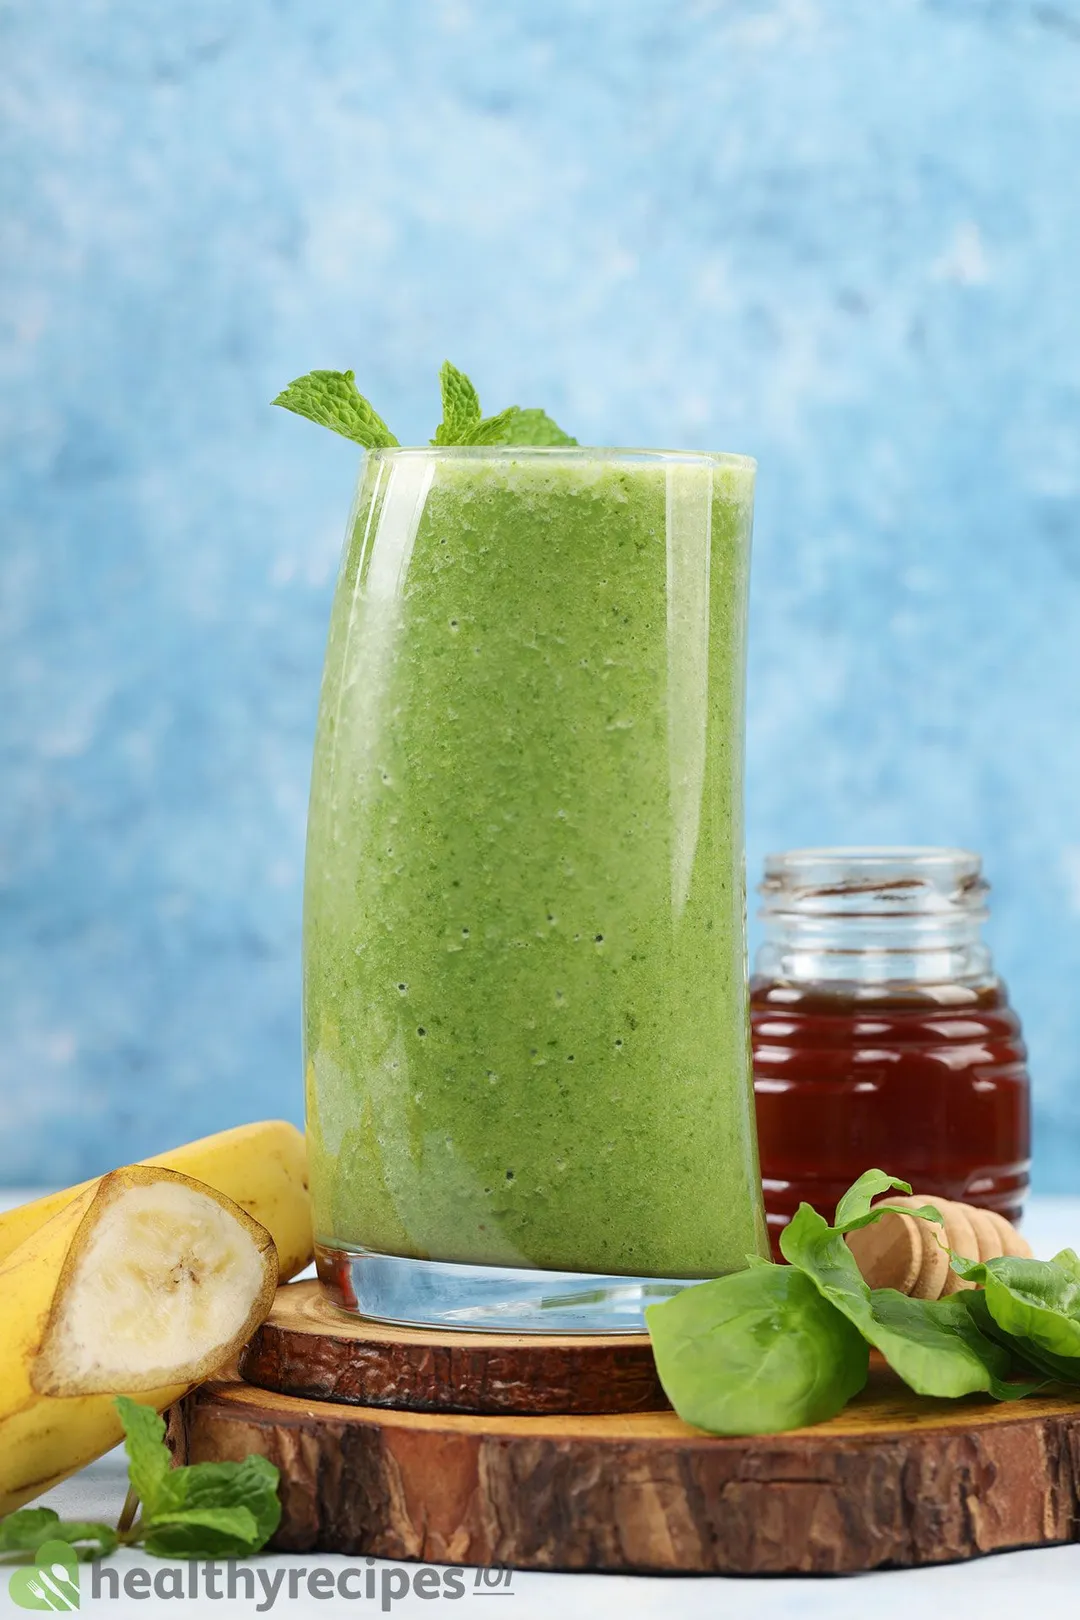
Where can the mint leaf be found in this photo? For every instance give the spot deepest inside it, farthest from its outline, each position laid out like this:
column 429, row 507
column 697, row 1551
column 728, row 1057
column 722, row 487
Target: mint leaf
column 757, row 1352
column 461, row 407
column 88, row 1539
column 495, row 429
column 31, row 1528
column 207, row 1510
column 536, row 427
column 251, row 1484
column 149, row 1460
column 517, row 427
column 331, row 398
column 222, row 1532
column 462, row 422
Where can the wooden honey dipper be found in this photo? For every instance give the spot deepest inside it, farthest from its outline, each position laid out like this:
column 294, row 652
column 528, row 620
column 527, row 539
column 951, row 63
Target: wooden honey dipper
column 912, row 1256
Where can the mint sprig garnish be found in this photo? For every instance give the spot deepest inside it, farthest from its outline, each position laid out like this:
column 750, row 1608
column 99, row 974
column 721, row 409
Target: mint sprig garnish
column 205, row 1510
column 149, row 1461
column 535, row 427
column 22, row 1533
column 332, row 399
column 461, row 414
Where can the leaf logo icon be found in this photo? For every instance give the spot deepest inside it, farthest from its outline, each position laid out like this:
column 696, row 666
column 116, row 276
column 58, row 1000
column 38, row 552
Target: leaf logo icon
column 52, row 1581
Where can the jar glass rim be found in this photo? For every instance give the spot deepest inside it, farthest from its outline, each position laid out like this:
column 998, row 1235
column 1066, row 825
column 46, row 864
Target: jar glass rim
column 897, row 880
column 876, row 854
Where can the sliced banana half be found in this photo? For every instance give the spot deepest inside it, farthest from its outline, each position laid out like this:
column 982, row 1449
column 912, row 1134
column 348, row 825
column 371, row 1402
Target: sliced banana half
column 164, row 1280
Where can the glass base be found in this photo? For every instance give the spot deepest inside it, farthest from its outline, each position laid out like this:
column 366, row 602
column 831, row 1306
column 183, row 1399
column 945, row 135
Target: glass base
column 488, row 1299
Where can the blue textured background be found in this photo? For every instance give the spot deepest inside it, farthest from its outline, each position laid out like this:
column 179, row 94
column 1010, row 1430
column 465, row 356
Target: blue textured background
column 840, row 236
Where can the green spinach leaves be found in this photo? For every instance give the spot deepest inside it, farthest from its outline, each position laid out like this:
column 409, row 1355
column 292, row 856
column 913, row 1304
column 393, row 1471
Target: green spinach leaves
column 1035, row 1302
column 780, row 1346
column 756, row 1352
column 934, row 1344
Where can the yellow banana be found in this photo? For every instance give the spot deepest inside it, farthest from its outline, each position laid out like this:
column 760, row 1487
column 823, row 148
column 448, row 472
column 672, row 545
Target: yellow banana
column 143, row 1284
column 261, row 1167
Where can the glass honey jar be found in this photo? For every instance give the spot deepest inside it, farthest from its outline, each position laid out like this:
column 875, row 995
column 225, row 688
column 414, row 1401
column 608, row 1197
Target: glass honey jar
column 882, row 1035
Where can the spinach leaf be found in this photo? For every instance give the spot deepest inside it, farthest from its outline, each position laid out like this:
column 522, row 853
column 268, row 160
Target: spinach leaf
column 934, row 1345
column 854, row 1210
column 1035, row 1301
column 757, row 1352
column 856, row 1202
column 1069, row 1261
column 1027, row 1357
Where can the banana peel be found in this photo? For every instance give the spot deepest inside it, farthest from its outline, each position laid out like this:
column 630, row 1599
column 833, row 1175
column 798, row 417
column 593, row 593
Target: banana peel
column 262, row 1167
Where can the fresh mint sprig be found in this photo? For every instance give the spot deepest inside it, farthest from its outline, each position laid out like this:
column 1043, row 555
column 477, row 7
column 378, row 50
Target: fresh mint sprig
column 205, row 1510
column 332, row 399
column 461, row 413
column 22, row 1533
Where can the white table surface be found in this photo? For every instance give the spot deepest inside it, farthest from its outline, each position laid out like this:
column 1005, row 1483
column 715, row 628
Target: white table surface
column 997, row 1588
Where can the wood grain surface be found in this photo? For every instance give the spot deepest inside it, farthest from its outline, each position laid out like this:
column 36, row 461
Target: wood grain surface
column 894, row 1480
column 308, row 1347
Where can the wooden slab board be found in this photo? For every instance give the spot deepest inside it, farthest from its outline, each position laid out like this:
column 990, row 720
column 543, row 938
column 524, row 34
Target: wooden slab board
column 308, row 1347
column 894, row 1480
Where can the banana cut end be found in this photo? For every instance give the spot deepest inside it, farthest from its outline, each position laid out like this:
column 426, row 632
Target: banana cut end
column 164, row 1280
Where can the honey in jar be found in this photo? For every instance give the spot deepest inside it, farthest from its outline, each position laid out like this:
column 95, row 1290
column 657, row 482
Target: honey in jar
column 882, row 1037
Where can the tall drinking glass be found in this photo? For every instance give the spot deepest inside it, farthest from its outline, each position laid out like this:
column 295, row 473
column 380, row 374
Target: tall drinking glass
column 528, row 1083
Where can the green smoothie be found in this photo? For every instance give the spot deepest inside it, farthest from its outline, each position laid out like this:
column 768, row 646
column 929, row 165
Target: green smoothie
column 525, row 995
